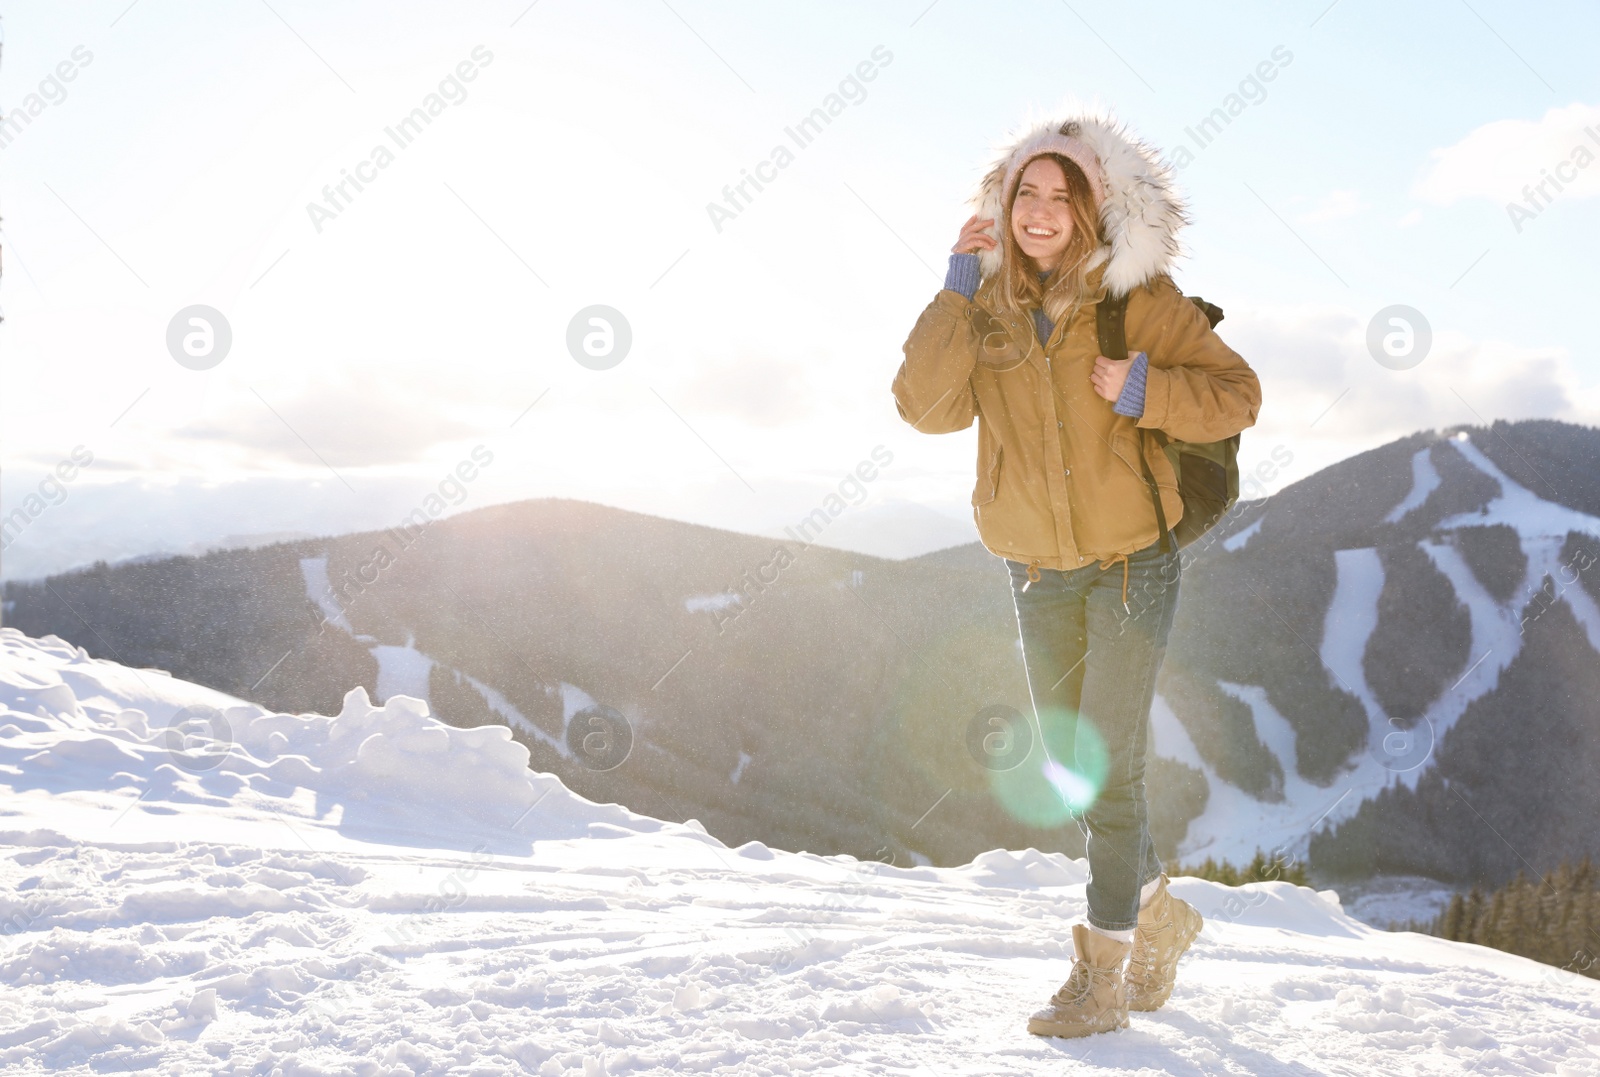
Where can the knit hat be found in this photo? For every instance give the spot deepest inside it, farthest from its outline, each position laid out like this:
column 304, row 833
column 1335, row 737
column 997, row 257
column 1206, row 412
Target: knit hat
column 1065, row 142
column 1141, row 208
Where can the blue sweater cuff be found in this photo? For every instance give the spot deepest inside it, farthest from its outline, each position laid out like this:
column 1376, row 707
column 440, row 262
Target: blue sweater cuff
column 962, row 276
column 1130, row 401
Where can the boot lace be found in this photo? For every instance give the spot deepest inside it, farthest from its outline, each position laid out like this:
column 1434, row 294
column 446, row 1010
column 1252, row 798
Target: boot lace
column 1081, row 983
column 1145, row 956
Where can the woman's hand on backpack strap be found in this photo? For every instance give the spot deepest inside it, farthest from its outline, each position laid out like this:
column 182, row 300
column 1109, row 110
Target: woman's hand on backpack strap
column 974, row 237
column 1109, row 376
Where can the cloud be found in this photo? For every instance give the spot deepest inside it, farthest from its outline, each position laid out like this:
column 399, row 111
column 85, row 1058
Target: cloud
column 1323, row 392
column 1334, row 206
column 348, row 420
column 1499, row 159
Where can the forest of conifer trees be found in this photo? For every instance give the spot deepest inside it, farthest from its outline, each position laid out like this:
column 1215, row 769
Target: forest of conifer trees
column 1555, row 919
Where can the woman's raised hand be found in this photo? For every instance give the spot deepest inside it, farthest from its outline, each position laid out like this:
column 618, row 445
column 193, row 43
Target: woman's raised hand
column 974, row 238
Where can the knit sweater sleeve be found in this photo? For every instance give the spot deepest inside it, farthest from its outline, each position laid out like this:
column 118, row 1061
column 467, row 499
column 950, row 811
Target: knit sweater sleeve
column 1130, row 401
column 962, row 274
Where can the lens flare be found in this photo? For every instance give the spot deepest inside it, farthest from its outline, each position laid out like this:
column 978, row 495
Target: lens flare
column 1064, row 778
column 1075, row 790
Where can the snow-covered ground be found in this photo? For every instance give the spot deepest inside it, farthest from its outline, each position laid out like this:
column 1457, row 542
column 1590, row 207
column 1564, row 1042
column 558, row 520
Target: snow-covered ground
column 1237, row 541
column 1395, row 899
column 404, row 670
column 314, row 570
column 377, row 893
column 1424, row 481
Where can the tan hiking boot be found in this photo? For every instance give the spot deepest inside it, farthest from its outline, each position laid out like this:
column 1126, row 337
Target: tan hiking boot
column 1093, row 999
column 1166, row 928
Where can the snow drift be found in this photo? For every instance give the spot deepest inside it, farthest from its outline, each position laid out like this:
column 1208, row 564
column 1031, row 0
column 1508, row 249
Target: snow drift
column 194, row 884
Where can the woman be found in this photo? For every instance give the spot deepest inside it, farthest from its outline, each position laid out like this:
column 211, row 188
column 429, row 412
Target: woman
column 1084, row 211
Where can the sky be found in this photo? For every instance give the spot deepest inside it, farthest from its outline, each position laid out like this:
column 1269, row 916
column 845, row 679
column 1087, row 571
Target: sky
column 384, row 341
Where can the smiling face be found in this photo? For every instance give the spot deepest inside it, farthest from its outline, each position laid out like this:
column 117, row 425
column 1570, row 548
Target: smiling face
column 1041, row 213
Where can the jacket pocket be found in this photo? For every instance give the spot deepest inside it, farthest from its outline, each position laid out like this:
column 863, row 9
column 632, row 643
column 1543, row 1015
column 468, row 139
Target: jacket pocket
column 988, row 477
column 1126, row 447
column 997, row 347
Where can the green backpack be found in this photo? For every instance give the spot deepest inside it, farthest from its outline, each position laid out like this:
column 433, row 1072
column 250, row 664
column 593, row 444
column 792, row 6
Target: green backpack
column 1208, row 471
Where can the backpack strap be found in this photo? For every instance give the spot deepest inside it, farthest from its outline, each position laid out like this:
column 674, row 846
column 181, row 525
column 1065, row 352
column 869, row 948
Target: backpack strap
column 1110, row 322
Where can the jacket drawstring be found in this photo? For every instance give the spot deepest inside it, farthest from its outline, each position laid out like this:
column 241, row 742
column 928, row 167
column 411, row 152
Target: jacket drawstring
column 1107, row 563
column 1033, row 574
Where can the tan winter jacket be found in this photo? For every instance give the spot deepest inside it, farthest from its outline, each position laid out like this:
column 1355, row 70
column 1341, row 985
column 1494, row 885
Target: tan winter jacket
column 1059, row 482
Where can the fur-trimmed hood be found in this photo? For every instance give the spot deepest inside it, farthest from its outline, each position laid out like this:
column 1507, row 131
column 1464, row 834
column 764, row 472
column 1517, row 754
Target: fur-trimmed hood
column 1142, row 212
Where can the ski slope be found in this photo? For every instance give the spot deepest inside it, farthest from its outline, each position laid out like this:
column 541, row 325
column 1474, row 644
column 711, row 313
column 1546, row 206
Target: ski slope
column 376, row 893
column 1235, row 824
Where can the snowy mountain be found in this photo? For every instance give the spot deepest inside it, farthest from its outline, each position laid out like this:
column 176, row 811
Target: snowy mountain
column 1425, row 634
column 772, row 700
column 197, row 884
column 1371, row 667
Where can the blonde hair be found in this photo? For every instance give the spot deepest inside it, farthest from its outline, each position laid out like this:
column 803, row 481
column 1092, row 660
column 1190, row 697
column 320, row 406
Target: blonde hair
column 1019, row 289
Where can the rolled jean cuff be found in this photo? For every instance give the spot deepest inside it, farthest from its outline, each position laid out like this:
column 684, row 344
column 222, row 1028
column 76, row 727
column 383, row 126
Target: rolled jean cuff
column 1103, row 925
column 1108, row 925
